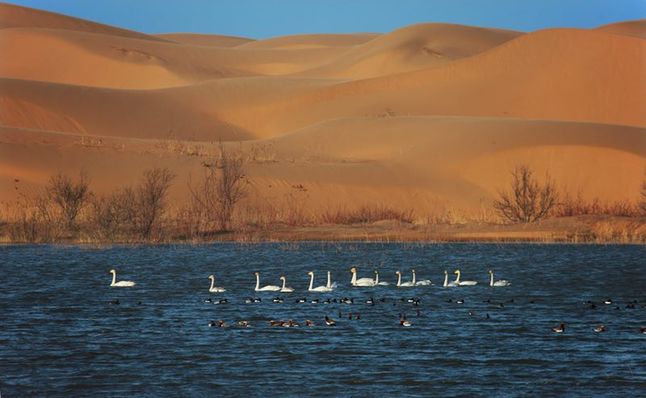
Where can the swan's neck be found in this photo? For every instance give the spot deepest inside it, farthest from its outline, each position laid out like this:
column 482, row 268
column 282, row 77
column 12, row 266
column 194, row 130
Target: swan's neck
column 311, row 281
column 257, row 281
column 114, row 278
column 399, row 279
column 212, row 283
column 457, row 277
column 283, row 286
column 354, row 278
column 376, row 278
column 491, row 279
column 446, row 279
column 329, row 279
column 413, row 277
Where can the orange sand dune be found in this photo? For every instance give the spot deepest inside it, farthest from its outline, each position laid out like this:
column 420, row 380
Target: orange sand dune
column 635, row 28
column 558, row 74
column 413, row 47
column 421, row 163
column 81, row 58
column 12, row 16
column 428, row 117
column 205, row 40
column 311, row 41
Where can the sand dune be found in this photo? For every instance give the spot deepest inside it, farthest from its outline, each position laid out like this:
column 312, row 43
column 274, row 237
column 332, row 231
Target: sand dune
column 430, row 116
column 635, row 28
column 205, row 40
column 12, row 16
column 80, row 58
column 311, row 41
column 413, row 47
column 554, row 75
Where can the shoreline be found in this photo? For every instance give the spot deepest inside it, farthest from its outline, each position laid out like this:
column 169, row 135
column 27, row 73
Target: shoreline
column 567, row 230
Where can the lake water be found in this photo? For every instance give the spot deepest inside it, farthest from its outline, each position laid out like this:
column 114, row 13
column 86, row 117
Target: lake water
column 60, row 336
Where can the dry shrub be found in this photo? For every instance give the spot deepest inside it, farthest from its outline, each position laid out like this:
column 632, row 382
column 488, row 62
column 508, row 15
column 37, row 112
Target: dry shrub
column 572, row 206
column 528, row 201
column 366, row 214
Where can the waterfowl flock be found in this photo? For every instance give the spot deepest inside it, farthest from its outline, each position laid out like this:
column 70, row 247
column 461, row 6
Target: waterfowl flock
column 374, row 282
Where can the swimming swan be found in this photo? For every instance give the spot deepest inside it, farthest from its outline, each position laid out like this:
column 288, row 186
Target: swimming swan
column 215, row 289
column 120, row 283
column 500, row 283
column 446, row 280
column 330, row 285
column 360, row 282
column 283, row 288
column 423, row 282
column 405, row 284
column 318, row 288
column 268, row 288
column 377, row 283
column 463, row 283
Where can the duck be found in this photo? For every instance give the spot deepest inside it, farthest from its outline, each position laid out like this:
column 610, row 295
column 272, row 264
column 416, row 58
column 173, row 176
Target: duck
column 363, row 282
column 404, row 322
column 329, row 321
column 498, row 283
column 277, row 300
column 120, row 283
column 221, row 301
column 559, row 329
column 243, row 324
column 600, row 329
column 283, row 288
column 213, row 288
column 309, row 322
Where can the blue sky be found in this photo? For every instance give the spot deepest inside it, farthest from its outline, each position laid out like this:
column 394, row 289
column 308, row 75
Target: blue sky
column 267, row 18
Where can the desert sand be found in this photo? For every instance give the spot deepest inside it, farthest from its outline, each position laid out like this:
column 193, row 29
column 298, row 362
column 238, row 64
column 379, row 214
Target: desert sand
column 429, row 117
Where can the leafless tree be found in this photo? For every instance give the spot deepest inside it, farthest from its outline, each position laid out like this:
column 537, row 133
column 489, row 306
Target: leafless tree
column 150, row 200
column 528, row 200
column 221, row 188
column 69, row 196
column 111, row 214
column 642, row 202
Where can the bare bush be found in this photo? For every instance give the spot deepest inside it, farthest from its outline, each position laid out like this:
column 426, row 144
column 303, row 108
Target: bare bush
column 69, row 196
column 367, row 214
column 150, row 200
column 223, row 185
column 642, row 202
column 113, row 216
column 529, row 200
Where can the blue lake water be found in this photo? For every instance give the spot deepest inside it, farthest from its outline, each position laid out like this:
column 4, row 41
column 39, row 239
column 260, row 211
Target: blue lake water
column 60, row 336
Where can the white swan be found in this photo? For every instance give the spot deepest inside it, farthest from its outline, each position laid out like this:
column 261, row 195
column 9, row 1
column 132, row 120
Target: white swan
column 213, row 288
column 423, row 282
column 268, row 288
column 446, row 281
column 120, row 283
column 405, row 284
column 369, row 282
column 283, row 288
column 330, row 285
column 318, row 288
column 500, row 283
column 463, row 283
column 377, row 283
